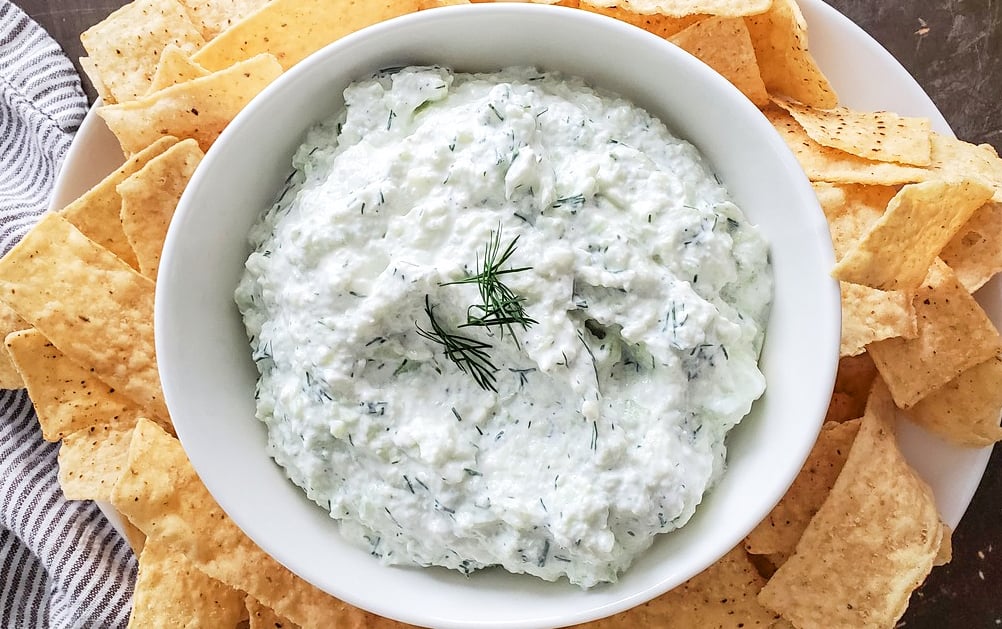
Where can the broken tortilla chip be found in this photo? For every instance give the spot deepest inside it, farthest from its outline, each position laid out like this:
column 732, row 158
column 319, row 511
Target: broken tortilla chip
column 822, row 163
column 161, row 494
column 954, row 334
column 109, row 328
column 724, row 45
column 198, row 109
column 967, row 410
column 878, row 135
column 67, row 397
column 10, row 322
column 171, row 592
column 869, row 315
column 149, row 198
column 777, row 535
column 96, row 212
column 91, row 460
column 292, row 29
column 956, row 159
column 723, row 595
column 897, row 250
column 148, row 26
column 779, row 36
column 872, row 542
column 975, row 252
column 174, row 67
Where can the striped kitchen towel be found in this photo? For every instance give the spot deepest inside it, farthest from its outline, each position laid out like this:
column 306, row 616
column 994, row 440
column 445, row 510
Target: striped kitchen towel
column 61, row 563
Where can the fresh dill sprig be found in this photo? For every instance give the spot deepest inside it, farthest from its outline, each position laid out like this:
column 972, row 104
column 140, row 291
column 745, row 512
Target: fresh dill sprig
column 469, row 354
column 499, row 305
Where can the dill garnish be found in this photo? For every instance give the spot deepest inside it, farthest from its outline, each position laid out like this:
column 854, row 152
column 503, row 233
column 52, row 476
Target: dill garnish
column 500, row 306
column 469, row 354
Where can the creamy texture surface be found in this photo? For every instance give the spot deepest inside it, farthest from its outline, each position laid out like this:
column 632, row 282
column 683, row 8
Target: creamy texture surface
column 603, row 420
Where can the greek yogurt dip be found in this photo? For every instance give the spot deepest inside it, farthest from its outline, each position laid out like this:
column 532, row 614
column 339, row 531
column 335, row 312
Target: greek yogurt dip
column 504, row 320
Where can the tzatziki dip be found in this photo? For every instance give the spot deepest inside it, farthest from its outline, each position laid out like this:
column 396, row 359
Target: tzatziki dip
column 503, row 319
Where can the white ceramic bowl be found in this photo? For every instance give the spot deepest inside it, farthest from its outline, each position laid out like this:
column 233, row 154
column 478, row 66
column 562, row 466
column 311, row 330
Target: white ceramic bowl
column 209, row 378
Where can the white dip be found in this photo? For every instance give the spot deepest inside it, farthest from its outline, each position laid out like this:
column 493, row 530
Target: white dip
column 647, row 291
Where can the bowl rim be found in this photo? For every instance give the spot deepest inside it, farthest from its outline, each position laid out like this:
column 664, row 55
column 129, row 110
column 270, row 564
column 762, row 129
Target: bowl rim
column 167, row 290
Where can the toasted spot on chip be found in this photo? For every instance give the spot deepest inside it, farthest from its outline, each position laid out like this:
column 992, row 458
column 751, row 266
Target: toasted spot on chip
column 724, row 45
column 823, row 163
column 954, row 334
column 869, row 315
column 108, row 328
column 149, row 197
column 67, row 396
column 171, row 592
column 975, row 252
column 161, row 494
column 897, row 250
column 723, row 595
column 292, row 29
column 96, row 212
column 779, row 36
column 174, row 67
column 198, row 109
column 878, row 135
column 871, row 543
column 91, row 460
column 125, row 47
column 263, row 617
column 777, row 535
column 967, row 410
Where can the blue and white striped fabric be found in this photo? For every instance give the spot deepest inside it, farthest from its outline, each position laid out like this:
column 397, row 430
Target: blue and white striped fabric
column 61, row 563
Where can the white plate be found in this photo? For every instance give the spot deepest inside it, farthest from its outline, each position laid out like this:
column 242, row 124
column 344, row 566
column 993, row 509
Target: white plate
column 866, row 77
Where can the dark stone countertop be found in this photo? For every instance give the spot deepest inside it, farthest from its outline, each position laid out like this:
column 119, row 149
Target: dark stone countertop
column 954, row 49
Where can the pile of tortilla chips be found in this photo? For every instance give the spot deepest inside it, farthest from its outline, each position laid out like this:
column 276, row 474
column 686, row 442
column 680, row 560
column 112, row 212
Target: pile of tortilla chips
column 916, row 221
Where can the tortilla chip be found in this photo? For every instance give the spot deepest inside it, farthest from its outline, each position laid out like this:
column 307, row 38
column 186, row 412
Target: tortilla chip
column 780, row 39
column 897, row 250
column 723, row 595
column 822, row 163
column 292, row 29
column 198, row 109
column 840, row 408
column 149, row 198
column 125, row 47
column 262, row 617
column 161, row 494
column 956, row 159
column 10, row 322
column 871, row 543
column 129, row 531
column 96, row 213
column 67, row 397
column 724, row 45
column 683, row 8
column 945, row 554
column 91, row 460
column 879, row 135
column 109, row 328
column 967, row 410
column 661, row 25
column 975, row 253
column 171, row 592
column 90, row 69
column 851, row 209
column 777, row 535
column 853, row 380
column 869, row 315
column 954, row 334
column 174, row 67
column 215, row 16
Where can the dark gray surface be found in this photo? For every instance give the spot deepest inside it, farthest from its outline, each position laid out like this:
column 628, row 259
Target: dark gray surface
column 954, row 50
